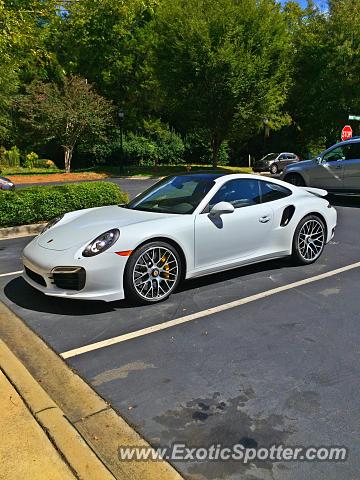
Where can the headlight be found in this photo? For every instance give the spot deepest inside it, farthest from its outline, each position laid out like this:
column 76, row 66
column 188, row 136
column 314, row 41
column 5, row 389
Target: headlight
column 52, row 222
column 101, row 243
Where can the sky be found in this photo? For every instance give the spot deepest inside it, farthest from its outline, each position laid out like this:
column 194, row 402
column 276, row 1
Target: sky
column 320, row 3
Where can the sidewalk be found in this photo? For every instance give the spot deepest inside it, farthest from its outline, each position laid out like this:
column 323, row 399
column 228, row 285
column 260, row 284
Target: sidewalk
column 25, row 450
column 38, row 442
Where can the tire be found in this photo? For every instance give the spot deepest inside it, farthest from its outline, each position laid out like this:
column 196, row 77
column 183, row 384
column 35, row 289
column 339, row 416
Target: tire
column 295, row 179
column 309, row 240
column 152, row 273
column 274, row 169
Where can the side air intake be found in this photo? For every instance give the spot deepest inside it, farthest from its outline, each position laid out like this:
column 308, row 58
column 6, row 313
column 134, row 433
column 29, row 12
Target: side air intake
column 287, row 215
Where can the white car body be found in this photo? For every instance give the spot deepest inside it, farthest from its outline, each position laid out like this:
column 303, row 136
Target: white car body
column 248, row 235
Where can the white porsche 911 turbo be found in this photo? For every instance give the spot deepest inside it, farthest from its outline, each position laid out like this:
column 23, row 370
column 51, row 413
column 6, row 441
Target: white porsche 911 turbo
column 182, row 227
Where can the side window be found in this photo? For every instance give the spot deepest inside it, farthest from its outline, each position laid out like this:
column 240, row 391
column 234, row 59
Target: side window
column 240, row 193
column 353, row 151
column 337, row 153
column 271, row 191
column 283, row 156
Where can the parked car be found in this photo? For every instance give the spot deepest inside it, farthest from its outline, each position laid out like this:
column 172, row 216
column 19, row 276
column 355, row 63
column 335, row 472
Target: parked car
column 337, row 169
column 184, row 226
column 6, row 184
column 275, row 162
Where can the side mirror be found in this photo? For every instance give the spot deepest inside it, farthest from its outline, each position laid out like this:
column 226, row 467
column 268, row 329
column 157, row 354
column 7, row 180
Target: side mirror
column 318, row 160
column 222, row 207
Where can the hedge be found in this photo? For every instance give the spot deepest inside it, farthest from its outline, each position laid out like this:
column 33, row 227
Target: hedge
column 42, row 203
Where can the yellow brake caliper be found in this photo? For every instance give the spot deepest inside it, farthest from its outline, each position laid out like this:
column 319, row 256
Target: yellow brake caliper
column 165, row 267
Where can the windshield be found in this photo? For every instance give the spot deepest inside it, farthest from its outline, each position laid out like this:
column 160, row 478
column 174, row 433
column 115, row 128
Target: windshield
column 179, row 194
column 270, row 156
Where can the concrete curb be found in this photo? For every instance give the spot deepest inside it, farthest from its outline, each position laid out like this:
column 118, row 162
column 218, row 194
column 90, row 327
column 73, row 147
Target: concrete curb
column 21, row 231
column 81, row 459
column 65, row 399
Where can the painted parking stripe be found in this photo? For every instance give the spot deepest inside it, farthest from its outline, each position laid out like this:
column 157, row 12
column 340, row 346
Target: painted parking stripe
column 11, row 273
column 204, row 313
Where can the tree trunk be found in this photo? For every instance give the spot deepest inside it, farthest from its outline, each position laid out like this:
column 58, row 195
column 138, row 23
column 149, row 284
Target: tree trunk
column 68, row 152
column 215, row 147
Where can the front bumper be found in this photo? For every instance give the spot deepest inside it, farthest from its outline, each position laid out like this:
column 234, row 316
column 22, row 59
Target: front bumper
column 261, row 167
column 103, row 274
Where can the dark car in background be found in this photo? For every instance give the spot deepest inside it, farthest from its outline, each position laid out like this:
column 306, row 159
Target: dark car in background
column 337, row 169
column 6, row 184
column 275, row 162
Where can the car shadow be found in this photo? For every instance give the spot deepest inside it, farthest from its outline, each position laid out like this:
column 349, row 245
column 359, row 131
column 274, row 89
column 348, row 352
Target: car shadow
column 20, row 293
column 238, row 272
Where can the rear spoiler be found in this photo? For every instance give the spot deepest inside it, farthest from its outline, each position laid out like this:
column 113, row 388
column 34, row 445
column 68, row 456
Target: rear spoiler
column 319, row 192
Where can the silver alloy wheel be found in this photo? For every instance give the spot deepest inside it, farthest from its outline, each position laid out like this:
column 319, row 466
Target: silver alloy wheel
column 311, row 240
column 155, row 273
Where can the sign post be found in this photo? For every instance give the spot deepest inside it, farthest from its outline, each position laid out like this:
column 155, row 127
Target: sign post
column 346, row 133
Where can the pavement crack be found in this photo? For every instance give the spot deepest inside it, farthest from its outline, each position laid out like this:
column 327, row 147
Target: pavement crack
column 82, row 419
column 46, row 408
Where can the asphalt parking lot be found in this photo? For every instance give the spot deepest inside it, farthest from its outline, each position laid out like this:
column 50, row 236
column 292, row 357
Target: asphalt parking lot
column 276, row 369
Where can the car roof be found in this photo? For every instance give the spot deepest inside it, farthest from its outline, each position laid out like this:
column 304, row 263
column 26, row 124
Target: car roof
column 345, row 142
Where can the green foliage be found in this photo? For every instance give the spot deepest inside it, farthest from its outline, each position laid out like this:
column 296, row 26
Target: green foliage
column 223, row 66
column 65, row 112
column 198, row 149
column 214, row 68
column 31, row 159
column 38, row 204
column 326, row 73
column 157, row 145
column 10, row 158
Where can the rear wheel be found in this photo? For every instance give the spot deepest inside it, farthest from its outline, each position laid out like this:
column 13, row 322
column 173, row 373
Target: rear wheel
column 295, row 179
column 152, row 273
column 309, row 240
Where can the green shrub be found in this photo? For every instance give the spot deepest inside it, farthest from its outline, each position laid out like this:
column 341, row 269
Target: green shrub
column 140, row 150
column 198, row 149
column 31, row 159
column 38, row 204
column 10, row 158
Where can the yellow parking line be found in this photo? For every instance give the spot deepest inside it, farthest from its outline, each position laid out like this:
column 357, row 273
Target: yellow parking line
column 204, row 313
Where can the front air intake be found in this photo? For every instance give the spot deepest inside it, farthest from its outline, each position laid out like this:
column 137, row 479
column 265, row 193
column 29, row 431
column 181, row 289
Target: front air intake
column 69, row 278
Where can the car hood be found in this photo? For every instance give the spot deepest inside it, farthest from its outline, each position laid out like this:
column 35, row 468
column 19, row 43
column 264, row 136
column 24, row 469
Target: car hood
column 80, row 227
column 301, row 164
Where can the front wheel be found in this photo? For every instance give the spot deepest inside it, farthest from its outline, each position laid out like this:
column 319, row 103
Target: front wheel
column 152, row 273
column 295, row 179
column 309, row 240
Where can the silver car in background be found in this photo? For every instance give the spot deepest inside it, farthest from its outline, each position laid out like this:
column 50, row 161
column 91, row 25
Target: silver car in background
column 275, row 162
column 337, row 169
column 6, row 184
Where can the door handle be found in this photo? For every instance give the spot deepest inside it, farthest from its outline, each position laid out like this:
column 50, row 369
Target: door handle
column 264, row 219
column 339, row 167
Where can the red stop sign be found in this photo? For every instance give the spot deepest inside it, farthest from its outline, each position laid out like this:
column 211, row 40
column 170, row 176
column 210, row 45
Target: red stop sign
column 346, row 133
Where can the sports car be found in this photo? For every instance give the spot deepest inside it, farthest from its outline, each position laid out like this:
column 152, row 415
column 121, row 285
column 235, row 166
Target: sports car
column 184, row 226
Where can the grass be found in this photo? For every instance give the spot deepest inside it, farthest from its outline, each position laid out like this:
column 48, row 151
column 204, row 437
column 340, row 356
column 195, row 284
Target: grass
column 131, row 171
column 4, row 171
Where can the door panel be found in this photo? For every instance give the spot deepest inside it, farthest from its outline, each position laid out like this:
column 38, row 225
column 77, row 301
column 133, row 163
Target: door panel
column 233, row 236
column 330, row 172
column 352, row 168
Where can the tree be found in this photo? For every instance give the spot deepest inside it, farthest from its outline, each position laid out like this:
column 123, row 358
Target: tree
column 101, row 40
column 65, row 113
column 223, row 66
column 21, row 44
column 326, row 70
